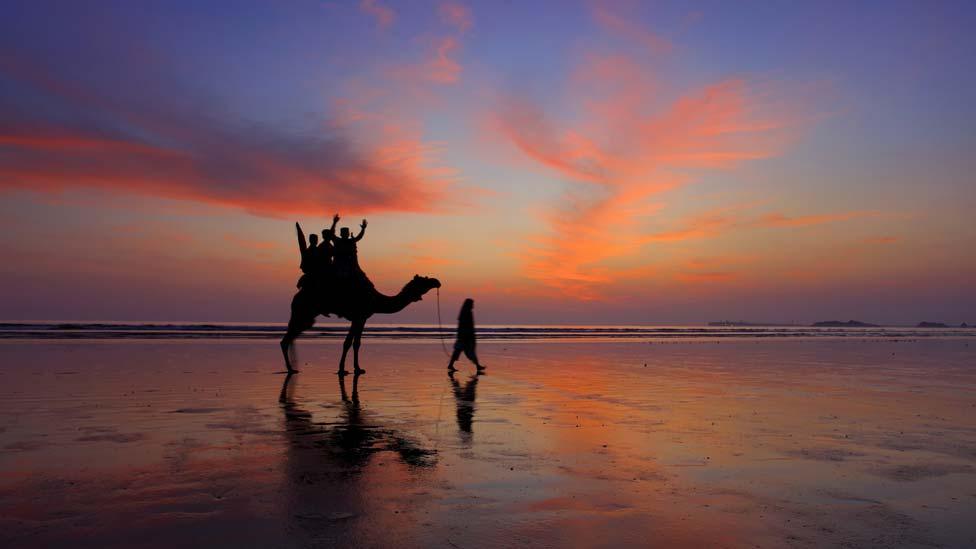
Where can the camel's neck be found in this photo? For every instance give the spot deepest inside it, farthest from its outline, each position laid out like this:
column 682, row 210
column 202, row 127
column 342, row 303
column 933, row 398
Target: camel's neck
column 389, row 304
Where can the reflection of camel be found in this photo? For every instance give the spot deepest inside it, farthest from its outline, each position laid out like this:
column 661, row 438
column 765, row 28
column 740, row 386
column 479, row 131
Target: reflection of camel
column 332, row 472
column 354, row 438
column 355, row 305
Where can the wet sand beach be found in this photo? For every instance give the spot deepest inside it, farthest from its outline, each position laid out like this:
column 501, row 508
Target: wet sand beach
column 696, row 443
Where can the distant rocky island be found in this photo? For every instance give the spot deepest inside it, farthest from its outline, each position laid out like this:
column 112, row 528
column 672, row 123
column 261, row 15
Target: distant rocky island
column 826, row 324
column 842, row 324
column 925, row 324
column 744, row 324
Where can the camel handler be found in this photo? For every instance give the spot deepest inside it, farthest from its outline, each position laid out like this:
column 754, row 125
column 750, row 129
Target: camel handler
column 465, row 338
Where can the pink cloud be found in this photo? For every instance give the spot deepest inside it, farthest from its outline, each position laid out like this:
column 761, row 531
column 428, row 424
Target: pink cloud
column 443, row 68
column 625, row 26
column 158, row 144
column 456, row 15
column 384, row 15
column 298, row 177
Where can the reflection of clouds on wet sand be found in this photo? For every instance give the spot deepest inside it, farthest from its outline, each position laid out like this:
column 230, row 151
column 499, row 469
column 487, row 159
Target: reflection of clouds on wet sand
column 726, row 444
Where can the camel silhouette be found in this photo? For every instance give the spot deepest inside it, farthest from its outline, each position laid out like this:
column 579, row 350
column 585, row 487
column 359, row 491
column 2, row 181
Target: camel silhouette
column 355, row 304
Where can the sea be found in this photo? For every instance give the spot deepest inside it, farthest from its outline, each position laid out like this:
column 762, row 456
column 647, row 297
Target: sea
column 64, row 330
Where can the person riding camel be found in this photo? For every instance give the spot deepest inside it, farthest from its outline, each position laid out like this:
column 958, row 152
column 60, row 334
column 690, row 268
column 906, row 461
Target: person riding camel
column 316, row 262
column 326, row 251
column 309, row 260
column 345, row 264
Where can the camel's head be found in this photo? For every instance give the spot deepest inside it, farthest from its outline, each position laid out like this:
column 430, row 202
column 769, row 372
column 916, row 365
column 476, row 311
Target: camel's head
column 420, row 285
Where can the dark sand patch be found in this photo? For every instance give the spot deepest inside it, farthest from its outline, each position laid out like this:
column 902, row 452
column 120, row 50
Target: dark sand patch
column 576, row 503
column 120, row 438
column 824, row 454
column 197, row 410
column 911, row 473
column 26, row 445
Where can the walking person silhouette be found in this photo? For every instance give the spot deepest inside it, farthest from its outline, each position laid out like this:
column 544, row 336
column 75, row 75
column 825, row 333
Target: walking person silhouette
column 465, row 337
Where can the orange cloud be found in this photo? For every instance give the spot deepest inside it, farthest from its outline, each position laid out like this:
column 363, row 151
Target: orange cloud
column 248, row 244
column 881, row 240
column 627, row 147
column 429, row 256
column 718, row 222
column 711, row 270
column 705, row 276
column 384, row 15
column 780, row 220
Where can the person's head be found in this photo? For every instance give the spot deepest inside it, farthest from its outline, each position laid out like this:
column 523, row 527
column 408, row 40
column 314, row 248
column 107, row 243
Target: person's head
column 326, row 235
column 313, row 239
column 344, row 232
column 468, row 304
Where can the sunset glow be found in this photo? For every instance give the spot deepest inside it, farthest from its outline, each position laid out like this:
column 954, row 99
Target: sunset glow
column 560, row 162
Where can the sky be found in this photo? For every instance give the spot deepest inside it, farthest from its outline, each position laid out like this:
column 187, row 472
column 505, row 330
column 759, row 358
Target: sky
column 561, row 162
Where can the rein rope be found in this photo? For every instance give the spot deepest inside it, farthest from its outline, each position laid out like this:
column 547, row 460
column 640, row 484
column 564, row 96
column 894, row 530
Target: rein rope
column 440, row 403
column 440, row 326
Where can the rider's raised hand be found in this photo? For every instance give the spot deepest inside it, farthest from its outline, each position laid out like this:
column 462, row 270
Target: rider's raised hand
column 363, row 225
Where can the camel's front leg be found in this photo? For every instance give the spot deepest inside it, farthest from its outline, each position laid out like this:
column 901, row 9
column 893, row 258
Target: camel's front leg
column 345, row 349
column 358, row 329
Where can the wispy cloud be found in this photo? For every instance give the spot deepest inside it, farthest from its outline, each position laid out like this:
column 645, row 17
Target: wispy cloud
column 443, row 68
column 705, row 276
column 780, row 220
column 456, row 15
column 613, row 18
column 440, row 65
column 626, row 146
column 699, row 227
column 881, row 240
column 724, row 220
column 169, row 143
column 384, row 15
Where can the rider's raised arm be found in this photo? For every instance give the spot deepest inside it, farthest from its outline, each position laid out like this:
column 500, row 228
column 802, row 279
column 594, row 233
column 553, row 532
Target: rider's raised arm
column 362, row 231
column 302, row 245
column 335, row 221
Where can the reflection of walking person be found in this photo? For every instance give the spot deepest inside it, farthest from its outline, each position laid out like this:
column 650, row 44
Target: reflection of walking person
column 465, row 337
column 464, row 399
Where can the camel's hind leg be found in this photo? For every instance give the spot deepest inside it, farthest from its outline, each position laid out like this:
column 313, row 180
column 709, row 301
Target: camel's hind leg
column 301, row 320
